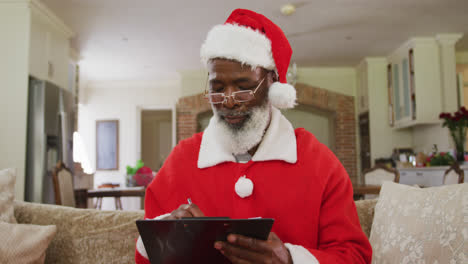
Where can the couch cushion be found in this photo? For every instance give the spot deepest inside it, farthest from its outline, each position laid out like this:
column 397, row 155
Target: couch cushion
column 365, row 210
column 24, row 243
column 413, row 225
column 85, row 235
column 7, row 194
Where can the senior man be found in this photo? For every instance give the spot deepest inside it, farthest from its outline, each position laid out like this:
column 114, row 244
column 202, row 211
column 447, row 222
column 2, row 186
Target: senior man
column 250, row 162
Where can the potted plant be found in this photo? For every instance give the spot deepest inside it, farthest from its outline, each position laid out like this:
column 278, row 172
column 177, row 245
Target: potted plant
column 457, row 124
column 131, row 171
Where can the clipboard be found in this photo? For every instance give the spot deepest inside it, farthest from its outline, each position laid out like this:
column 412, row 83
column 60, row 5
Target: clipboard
column 191, row 240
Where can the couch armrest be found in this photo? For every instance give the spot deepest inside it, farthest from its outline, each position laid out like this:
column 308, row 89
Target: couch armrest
column 84, row 235
column 365, row 210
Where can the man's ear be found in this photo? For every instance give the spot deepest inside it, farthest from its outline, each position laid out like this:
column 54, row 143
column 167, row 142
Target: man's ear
column 272, row 77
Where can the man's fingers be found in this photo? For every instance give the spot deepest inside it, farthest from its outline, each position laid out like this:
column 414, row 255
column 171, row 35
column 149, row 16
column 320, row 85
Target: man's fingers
column 238, row 254
column 248, row 242
column 195, row 211
column 273, row 237
column 187, row 210
column 236, row 260
column 179, row 213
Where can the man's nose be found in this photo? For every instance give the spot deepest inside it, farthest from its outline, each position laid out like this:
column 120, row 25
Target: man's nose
column 230, row 102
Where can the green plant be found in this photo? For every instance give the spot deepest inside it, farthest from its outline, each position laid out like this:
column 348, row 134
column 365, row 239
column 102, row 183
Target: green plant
column 440, row 159
column 132, row 170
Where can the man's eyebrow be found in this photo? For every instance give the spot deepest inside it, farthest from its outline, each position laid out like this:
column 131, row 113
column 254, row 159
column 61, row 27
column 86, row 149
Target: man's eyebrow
column 240, row 80
column 215, row 81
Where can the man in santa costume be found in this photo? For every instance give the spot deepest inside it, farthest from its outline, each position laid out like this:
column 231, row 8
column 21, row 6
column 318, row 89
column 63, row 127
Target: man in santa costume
column 250, row 162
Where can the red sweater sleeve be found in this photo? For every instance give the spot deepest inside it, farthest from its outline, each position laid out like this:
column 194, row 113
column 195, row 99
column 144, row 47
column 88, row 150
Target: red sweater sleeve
column 340, row 236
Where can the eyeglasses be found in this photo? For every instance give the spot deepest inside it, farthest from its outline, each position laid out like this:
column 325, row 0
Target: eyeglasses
column 239, row 96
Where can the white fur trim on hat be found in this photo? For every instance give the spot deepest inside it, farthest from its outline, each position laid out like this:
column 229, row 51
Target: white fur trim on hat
column 238, row 43
column 282, row 95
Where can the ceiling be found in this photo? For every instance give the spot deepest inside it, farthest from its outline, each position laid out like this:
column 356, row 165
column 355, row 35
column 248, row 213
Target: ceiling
column 152, row 40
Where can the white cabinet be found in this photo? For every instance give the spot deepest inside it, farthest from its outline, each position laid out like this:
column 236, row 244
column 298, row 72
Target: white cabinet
column 414, row 86
column 49, row 46
column 422, row 178
column 426, row 177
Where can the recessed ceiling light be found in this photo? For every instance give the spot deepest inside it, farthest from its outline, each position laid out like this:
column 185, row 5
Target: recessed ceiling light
column 288, row 9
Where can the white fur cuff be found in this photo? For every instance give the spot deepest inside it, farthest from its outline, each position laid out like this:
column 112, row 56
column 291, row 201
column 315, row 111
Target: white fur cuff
column 282, row 95
column 139, row 245
column 300, row 255
column 141, row 248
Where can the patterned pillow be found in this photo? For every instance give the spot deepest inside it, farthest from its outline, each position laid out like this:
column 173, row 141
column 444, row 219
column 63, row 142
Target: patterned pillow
column 7, row 195
column 413, row 225
column 24, row 243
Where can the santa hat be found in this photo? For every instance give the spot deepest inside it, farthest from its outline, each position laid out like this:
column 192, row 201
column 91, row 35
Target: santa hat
column 252, row 39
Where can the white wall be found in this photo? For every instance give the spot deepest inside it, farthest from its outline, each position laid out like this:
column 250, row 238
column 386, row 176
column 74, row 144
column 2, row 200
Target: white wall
column 120, row 100
column 425, row 136
column 462, row 57
column 14, row 52
column 193, row 81
column 336, row 79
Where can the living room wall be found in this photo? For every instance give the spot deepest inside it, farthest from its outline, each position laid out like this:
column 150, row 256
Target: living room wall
column 14, row 68
column 107, row 100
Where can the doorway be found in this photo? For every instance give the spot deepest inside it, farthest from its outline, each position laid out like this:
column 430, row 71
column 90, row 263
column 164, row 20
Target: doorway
column 156, row 137
column 364, row 137
column 319, row 122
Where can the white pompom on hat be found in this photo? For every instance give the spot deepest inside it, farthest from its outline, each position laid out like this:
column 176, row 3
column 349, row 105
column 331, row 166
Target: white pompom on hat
column 252, row 39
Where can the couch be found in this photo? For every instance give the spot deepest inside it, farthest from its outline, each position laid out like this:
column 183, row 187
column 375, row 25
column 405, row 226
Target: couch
column 93, row 236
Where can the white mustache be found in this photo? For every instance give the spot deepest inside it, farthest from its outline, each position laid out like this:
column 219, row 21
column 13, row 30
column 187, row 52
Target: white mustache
column 224, row 113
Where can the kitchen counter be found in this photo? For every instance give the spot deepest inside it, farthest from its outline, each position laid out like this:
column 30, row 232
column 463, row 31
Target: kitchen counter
column 427, row 176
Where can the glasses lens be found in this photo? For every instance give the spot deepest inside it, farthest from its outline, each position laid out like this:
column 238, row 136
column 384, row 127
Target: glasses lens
column 216, row 97
column 243, row 96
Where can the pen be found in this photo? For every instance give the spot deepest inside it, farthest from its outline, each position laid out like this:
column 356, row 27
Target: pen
column 189, row 201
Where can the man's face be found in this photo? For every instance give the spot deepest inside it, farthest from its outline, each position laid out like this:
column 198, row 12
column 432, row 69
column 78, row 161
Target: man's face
column 228, row 76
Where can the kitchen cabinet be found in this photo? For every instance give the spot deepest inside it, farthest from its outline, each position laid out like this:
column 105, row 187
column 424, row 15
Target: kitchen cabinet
column 426, row 176
column 414, row 84
column 49, row 46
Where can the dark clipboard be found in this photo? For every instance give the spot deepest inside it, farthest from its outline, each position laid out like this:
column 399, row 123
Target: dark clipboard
column 191, row 240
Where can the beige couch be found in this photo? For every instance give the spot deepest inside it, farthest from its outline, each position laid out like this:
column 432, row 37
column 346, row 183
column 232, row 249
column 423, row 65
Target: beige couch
column 92, row 236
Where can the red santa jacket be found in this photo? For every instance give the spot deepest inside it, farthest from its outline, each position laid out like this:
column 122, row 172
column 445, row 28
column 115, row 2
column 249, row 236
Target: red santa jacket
column 307, row 192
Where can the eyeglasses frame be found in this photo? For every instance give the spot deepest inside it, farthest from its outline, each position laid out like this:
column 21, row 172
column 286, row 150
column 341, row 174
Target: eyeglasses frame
column 207, row 94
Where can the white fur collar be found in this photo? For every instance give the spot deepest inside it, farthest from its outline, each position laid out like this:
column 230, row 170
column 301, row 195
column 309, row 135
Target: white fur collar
column 278, row 143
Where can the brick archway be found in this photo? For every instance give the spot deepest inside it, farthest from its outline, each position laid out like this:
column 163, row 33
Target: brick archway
column 189, row 108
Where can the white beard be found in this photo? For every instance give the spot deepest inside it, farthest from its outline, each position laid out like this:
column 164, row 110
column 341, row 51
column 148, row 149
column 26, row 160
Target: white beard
column 240, row 140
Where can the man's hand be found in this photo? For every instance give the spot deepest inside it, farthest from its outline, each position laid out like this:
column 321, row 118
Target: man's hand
column 243, row 250
column 185, row 210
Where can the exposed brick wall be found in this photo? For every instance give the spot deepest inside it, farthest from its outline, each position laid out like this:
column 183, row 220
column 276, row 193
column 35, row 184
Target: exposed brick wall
column 345, row 124
column 188, row 109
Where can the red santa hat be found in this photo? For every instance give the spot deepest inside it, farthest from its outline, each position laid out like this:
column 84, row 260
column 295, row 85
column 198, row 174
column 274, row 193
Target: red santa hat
column 251, row 38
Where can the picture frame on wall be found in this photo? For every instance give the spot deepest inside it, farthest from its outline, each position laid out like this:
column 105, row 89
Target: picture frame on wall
column 107, row 144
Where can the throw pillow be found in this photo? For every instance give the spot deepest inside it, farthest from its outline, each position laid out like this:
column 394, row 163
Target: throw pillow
column 24, row 243
column 7, row 195
column 414, row 225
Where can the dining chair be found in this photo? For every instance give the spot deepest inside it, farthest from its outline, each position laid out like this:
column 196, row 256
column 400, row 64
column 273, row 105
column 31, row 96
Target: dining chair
column 454, row 175
column 377, row 175
column 63, row 185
